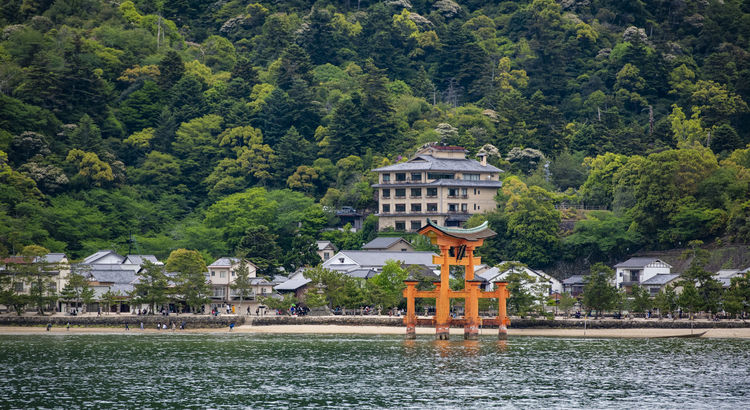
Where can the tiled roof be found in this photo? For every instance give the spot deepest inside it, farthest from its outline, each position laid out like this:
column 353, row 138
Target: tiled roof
column 101, row 254
column 324, row 244
column 662, row 279
column 378, row 258
column 101, row 274
column 52, row 258
column 224, row 261
column 430, row 163
column 574, row 280
column 139, row 259
column 362, row 273
column 293, row 284
column 638, row 262
column 382, row 242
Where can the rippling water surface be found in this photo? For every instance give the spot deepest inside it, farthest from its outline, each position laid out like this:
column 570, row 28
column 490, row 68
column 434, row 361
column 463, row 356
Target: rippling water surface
column 294, row 371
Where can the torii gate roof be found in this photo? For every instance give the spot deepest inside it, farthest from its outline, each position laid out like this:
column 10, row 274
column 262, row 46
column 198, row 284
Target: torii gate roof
column 471, row 234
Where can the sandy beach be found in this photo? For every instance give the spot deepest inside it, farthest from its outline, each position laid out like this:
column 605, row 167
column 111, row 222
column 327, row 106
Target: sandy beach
column 740, row 333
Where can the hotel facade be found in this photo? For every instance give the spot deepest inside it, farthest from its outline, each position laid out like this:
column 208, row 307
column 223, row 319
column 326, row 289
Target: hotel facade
column 438, row 183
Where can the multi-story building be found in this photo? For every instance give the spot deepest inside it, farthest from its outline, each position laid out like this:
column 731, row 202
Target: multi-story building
column 222, row 274
column 438, row 183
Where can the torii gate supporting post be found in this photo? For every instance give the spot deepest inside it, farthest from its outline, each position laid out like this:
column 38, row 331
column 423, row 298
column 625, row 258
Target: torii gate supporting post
column 502, row 315
column 443, row 302
column 411, row 315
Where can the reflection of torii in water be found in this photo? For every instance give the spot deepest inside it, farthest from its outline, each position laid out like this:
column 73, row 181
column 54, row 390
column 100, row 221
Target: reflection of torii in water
column 456, row 248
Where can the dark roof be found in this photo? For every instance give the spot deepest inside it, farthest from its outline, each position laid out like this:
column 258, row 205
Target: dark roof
column 225, row 261
column 383, row 242
column 112, row 275
column 429, row 163
column 661, row 279
column 471, row 234
column 362, row 273
column 638, row 262
column 574, row 280
column 444, row 182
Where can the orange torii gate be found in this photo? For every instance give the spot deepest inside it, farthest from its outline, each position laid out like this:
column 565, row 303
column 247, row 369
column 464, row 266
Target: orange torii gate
column 456, row 248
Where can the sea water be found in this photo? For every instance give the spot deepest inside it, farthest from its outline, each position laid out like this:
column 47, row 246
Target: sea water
column 312, row 371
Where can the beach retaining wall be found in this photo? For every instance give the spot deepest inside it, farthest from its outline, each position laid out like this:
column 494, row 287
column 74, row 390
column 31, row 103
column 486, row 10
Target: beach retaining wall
column 134, row 321
column 205, row 321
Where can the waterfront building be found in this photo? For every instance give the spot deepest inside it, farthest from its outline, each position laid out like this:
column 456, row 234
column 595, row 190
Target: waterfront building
column 53, row 267
column 657, row 283
column 297, row 284
column 438, row 183
column 222, row 274
column 388, row 244
column 635, row 271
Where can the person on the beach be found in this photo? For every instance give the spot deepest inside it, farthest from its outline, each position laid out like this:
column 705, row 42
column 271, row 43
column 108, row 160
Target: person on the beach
column 127, row 327
column 231, row 326
column 49, row 326
column 67, row 326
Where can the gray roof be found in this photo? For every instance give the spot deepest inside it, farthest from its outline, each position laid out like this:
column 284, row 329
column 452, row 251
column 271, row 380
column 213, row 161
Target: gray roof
column 101, row 274
column 324, row 244
column 224, row 261
column 362, row 273
column 51, row 258
column 638, row 262
column 574, row 280
column 378, row 258
column 430, row 163
column 294, row 283
column 259, row 281
column 444, row 182
column 100, row 254
column 139, row 259
column 277, row 279
column 661, row 279
column 122, row 288
column 383, row 242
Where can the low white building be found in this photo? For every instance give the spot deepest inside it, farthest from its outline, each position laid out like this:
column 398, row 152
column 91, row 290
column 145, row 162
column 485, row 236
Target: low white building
column 490, row 275
column 635, row 271
column 326, row 249
column 355, row 262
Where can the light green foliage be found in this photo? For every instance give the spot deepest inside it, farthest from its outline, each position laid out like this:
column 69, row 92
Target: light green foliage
column 386, row 288
column 90, row 168
column 339, row 289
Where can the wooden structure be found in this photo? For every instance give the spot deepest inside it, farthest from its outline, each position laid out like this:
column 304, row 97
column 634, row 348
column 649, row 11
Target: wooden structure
column 456, row 249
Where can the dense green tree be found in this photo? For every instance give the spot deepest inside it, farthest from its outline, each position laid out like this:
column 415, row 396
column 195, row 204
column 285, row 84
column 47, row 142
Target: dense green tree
column 152, row 288
column 598, row 293
column 191, row 277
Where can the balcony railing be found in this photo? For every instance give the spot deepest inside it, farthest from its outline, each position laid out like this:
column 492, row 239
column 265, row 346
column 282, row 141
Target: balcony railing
column 458, row 196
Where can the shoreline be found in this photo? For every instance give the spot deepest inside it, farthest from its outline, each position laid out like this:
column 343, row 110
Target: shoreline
column 723, row 333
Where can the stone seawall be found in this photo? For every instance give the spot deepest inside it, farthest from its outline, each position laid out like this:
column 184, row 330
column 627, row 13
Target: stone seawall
column 191, row 321
column 205, row 321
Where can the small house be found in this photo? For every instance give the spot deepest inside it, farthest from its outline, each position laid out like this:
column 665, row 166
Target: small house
column 388, row 244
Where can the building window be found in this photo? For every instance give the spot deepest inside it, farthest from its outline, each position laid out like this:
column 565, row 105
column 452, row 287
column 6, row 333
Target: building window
column 400, row 207
column 416, row 176
column 452, row 207
column 464, row 192
column 386, row 193
column 475, row 207
column 400, row 177
column 401, row 193
column 432, row 207
column 326, row 255
column 19, row 286
column 471, row 177
column 232, row 273
column 416, row 192
column 386, row 178
column 341, row 260
column 437, row 175
column 415, row 225
column 452, row 192
column 386, row 208
column 416, row 207
column 431, row 192
column 213, row 273
column 464, row 208
column 222, row 275
column 400, row 225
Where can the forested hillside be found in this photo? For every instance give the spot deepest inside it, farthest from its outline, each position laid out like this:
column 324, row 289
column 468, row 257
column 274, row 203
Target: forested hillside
column 236, row 125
